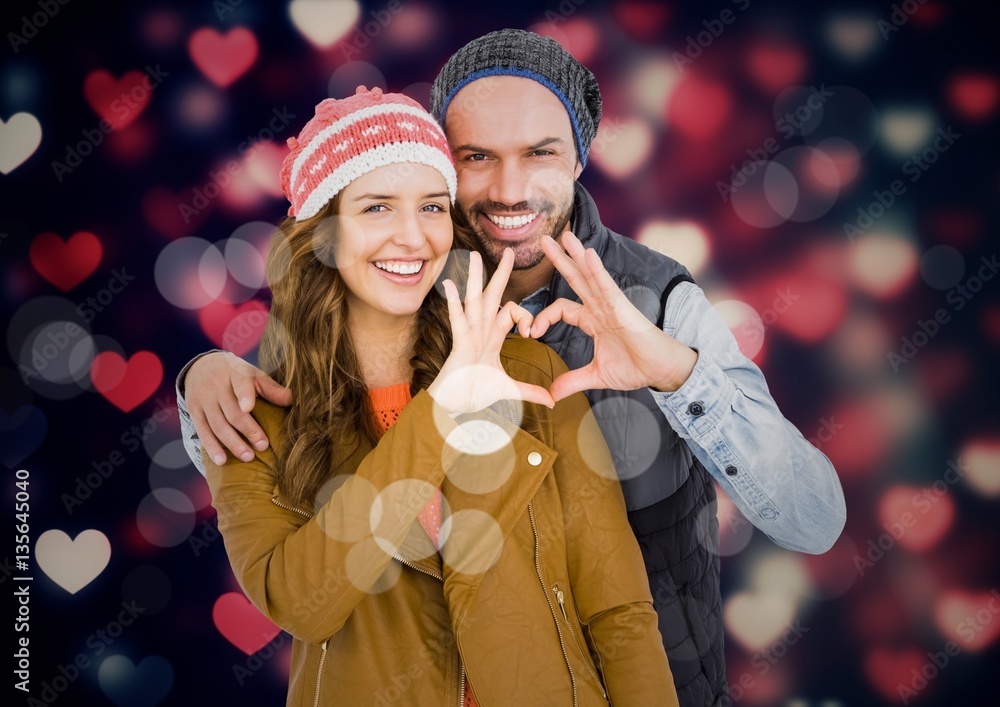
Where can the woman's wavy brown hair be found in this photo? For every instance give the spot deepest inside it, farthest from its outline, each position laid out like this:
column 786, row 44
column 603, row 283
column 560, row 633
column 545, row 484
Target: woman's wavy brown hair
column 307, row 346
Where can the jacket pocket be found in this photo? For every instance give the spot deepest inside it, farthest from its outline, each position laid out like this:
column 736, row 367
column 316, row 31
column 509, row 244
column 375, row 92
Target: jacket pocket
column 574, row 636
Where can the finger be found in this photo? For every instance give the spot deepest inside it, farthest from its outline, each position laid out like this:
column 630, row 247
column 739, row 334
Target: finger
column 579, row 255
column 243, row 425
column 572, row 245
column 459, row 327
column 242, row 420
column 533, row 394
column 566, row 267
column 474, row 289
column 560, row 310
column 245, row 390
column 597, row 276
column 493, row 294
column 512, row 313
column 209, row 443
column 271, row 391
column 226, row 433
column 574, row 382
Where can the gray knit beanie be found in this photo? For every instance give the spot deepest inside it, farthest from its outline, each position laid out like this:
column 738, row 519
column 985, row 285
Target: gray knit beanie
column 515, row 52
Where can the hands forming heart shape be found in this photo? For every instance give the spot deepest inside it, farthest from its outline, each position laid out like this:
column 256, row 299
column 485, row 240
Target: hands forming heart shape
column 629, row 350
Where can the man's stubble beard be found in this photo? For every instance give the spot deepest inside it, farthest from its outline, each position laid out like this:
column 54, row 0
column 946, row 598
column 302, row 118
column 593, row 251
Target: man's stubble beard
column 527, row 253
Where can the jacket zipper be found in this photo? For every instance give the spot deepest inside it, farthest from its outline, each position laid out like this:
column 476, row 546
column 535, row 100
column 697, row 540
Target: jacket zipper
column 412, row 566
column 279, row 504
column 319, row 672
column 538, row 571
column 560, row 597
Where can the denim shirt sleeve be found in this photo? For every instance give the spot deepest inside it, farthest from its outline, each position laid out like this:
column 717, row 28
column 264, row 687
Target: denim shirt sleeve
column 780, row 482
column 192, row 445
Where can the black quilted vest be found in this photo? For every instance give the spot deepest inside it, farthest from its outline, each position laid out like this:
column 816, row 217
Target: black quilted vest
column 669, row 494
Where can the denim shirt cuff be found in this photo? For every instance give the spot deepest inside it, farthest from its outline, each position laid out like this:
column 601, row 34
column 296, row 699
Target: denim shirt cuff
column 697, row 407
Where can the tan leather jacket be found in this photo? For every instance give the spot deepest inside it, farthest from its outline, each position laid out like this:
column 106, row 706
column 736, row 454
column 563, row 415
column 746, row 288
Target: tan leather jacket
column 539, row 593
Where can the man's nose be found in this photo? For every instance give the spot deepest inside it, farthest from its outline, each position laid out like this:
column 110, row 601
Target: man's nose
column 509, row 185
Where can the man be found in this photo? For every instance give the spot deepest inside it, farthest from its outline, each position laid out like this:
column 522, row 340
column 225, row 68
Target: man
column 677, row 402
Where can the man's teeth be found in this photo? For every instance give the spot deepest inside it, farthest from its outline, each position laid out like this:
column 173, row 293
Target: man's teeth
column 511, row 221
column 409, row 267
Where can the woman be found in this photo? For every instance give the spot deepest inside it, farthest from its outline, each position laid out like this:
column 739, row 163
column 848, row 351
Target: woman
column 426, row 540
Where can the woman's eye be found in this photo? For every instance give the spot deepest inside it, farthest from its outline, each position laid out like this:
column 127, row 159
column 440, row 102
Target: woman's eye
column 375, row 208
column 433, row 207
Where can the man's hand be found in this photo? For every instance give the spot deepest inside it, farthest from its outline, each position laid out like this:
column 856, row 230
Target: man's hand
column 220, row 390
column 629, row 350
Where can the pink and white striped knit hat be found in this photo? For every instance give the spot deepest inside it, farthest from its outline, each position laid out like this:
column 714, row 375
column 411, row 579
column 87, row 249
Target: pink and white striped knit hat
column 353, row 136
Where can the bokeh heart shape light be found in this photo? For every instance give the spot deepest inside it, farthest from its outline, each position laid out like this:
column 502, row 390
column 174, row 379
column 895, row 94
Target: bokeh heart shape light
column 242, row 624
column 130, row 685
column 235, row 328
column 324, row 22
column 888, row 670
column 118, row 101
column 19, row 138
column 972, row 620
column 67, row 263
column 126, row 384
column 919, row 517
column 223, row 58
column 757, row 619
column 72, row 563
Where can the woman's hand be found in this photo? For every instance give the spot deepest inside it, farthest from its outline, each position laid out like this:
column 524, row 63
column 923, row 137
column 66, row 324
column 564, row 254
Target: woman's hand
column 472, row 378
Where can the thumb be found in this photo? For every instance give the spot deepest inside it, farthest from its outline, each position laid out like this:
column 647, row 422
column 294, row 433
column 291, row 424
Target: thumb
column 534, row 394
column 574, row 382
column 268, row 389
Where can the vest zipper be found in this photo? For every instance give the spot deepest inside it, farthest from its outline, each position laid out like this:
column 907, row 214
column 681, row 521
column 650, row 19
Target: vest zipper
column 538, row 571
column 319, row 673
column 560, row 597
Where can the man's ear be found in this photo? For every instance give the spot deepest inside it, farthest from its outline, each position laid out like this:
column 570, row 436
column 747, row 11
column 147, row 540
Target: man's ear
column 578, row 170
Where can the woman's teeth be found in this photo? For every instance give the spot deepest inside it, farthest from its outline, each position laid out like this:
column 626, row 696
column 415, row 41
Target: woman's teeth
column 409, row 267
column 511, row 221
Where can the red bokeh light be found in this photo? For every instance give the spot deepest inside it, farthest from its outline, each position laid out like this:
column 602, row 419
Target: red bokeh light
column 643, row 19
column 975, row 95
column 699, row 107
column 775, row 67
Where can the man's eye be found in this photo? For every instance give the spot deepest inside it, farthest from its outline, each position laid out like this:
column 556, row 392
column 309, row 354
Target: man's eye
column 543, row 153
column 478, row 157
